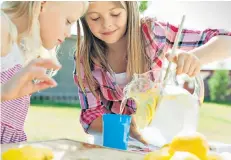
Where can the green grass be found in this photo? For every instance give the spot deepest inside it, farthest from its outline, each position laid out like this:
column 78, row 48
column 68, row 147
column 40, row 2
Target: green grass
column 49, row 103
column 215, row 122
column 44, row 123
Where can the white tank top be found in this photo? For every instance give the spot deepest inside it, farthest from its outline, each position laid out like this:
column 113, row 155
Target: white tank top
column 121, row 79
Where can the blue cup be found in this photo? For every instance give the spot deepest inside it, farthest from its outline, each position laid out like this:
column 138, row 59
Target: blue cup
column 116, row 129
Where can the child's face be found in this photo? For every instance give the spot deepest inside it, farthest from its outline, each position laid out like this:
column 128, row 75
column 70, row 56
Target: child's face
column 56, row 19
column 107, row 20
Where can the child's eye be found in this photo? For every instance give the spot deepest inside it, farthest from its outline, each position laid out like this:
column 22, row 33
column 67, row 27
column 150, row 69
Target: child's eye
column 68, row 22
column 115, row 15
column 95, row 19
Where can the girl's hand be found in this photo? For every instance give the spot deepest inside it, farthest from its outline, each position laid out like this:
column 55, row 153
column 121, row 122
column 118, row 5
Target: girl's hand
column 21, row 84
column 134, row 133
column 187, row 63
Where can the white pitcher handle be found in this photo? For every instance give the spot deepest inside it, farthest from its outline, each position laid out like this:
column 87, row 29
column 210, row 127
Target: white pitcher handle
column 199, row 88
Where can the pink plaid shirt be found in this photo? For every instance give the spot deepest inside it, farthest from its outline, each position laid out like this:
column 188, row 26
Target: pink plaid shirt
column 159, row 37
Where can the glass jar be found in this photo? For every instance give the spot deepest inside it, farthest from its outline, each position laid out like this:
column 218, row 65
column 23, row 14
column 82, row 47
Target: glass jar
column 167, row 106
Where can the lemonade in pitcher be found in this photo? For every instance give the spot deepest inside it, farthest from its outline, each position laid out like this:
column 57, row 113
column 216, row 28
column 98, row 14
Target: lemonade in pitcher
column 164, row 110
column 144, row 89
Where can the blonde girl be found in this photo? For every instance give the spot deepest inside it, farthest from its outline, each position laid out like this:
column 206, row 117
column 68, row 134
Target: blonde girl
column 29, row 29
column 117, row 44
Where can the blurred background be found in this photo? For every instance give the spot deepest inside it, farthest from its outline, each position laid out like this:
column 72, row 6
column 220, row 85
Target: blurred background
column 55, row 112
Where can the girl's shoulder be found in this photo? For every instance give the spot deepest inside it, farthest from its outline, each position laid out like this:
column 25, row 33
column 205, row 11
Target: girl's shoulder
column 148, row 20
column 152, row 24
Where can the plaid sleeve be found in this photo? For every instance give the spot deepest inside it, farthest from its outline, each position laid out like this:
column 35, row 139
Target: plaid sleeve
column 91, row 109
column 159, row 37
column 91, row 106
column 191, row 39
column 164, row 34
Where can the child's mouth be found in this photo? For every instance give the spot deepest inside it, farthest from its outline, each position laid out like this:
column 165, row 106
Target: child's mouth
column 60, row 41
column 108, row 33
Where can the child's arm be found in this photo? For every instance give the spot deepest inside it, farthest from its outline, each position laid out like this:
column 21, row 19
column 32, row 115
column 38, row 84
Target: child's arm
column 197, row 47
column 21, row 83
column 217, row 48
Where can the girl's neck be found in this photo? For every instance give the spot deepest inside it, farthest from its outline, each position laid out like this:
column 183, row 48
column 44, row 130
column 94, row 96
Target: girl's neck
column 117, row 54
column 118, row 48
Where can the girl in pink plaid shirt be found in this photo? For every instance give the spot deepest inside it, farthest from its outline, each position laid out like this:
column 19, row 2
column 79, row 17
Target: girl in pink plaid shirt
column 118, row 44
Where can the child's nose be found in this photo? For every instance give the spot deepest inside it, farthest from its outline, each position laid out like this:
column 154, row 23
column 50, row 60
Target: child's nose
column 107, row 23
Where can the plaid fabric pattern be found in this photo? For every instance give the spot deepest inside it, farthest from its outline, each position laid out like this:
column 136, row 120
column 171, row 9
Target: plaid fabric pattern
column 159, row 37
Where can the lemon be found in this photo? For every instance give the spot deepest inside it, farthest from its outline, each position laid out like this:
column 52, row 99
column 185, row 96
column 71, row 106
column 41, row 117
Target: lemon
column 28, row 153
column 162, row 154
column 194, row 143
column 12, row 154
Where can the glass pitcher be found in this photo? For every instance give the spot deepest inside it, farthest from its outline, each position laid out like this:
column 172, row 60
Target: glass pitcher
column 166, row 109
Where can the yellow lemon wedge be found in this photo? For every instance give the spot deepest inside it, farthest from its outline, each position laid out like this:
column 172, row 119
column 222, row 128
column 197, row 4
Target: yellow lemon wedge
column 146, row 106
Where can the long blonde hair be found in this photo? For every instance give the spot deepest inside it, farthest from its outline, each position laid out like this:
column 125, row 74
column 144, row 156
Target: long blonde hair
column 93, row 51
column 30, row 41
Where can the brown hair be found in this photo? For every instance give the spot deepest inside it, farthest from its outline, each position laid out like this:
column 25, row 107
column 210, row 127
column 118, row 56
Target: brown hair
column 93, row 51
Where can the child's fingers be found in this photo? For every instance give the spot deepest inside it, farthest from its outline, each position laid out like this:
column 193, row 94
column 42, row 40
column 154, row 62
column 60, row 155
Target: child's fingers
column 46, row 63
column 187, row 64
column 180, row 64
column 36, row 72
column 196, row 71
column 39, row 73
column 45, row 82
column 30, row 73
column 171, row 58
column 134, row 133
column 44, row 85
column 192, row 69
